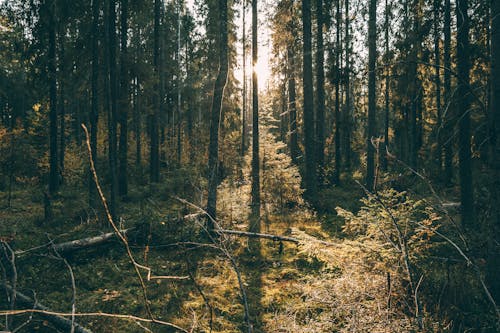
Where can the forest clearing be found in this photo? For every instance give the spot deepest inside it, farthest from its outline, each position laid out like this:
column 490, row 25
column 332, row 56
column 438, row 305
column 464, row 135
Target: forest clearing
column 249, row 166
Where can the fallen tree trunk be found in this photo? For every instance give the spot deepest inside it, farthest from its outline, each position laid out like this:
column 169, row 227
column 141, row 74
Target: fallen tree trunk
column 85, row 242
column 60, row 322
column 258, row 235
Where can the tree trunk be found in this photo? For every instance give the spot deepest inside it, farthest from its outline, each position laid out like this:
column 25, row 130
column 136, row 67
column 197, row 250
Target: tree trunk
column 244, row 93
column 347, row 113
column 310, row 158
column 154, row 160
column 52, row 65
column 320, row 92
column 292, row 105
column 62, row 100
column 113, row 104
column 448, row 117
column 494, row 250
column 220, row 84
column 338, row 154
column 94, row 111
column 124, row 102
column 463, row 93
column 437, row 82
column 372, row 56
column 385, row 144
column 255, row 124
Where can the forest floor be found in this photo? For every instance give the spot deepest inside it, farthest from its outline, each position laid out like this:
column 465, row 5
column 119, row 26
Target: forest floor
column 328, row 282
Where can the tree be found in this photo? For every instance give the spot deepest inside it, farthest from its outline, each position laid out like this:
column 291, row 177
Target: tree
column 463, row 109
column 372, row 56
column 124, row 102
column 112, row 114
column 255, row 123
column 385, row 143
column 154, row 159
column 338, row 153
column 448, row 117
column 346, row 77
column 494, row 263
column 244, row 92
column 94, row 111
column 51, row 66
column 307, row 82
column 218, row 93
column 320, row 91
column 437, row 82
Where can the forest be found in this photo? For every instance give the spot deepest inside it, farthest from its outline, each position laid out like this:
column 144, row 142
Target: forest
column 249, row 166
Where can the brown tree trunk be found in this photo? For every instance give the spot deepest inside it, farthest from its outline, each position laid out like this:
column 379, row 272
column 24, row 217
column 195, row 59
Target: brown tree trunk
column 220, row 84
column 372, row 56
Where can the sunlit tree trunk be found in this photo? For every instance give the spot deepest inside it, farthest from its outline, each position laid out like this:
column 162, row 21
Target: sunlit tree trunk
column 255, row 125
column 292, row 106
column 244, row 92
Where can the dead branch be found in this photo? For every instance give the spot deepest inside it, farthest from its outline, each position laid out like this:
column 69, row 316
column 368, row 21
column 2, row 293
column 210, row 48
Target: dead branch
column 83, row 243
column 258, row 235
column 56, row 318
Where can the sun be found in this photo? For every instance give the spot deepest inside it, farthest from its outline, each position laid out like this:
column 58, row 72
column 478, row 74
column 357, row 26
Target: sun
column 263, row 72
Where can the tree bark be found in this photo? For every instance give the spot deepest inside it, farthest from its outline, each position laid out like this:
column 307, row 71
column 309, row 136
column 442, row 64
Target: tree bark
column 220, row 84
column 385, row 144
column 154, row 159
column 94, row 111
column 437, row 82
column 307, row 81
column 320, row 92
column 255, row 125
column 494, row 250
column 448, row 117
column 463, row 93
column 52, row 65
column 338, row 153
column 124, row 103
column 372, row 56
column 113, row 108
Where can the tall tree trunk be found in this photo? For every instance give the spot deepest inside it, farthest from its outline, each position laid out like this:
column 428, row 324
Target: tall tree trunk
column 338, row 155
column 94, row 111
column 292, row 105
column 347, row 113
column 244, row 93
column 320, row 92
column 179, row 87
column 307, row 81
column 372, row 56
column 413, row 87
column 113, row 104
column 494, row 250
column 220, row 84
column 463, row 93
column 154, row 159
column 62, row 101
column 448, row 117
column 255, row 125
column 124, row 102
column 52, row 65
column 437, row 82
column 385, row 144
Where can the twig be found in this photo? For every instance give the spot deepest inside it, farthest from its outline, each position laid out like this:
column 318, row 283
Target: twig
column 205, row 298
column 258, row 235
column 122, row 236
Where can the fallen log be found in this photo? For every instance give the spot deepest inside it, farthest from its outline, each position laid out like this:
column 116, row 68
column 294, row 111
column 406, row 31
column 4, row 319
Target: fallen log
column 258, row 235
column 59, row 321
column 85, row 242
